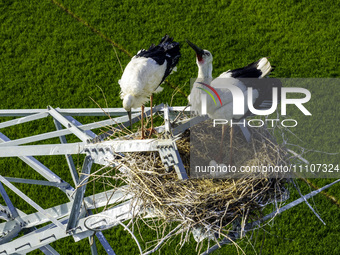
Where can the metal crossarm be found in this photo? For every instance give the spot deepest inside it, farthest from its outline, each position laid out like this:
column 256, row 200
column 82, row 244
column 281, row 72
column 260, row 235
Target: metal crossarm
column 170, row 157
column 168, row 149
column 69, row 216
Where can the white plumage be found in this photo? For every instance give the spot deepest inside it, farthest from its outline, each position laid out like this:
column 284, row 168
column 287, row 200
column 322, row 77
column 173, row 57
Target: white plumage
column 205, row 67
column 145, row 72
column 140, row 79
column 224, row 110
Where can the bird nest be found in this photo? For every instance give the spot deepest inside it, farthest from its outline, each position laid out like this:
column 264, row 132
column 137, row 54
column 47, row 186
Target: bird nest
column 209, row 207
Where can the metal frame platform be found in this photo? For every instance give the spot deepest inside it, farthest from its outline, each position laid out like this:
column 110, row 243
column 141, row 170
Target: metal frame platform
column 75, row 218
column 69, row 219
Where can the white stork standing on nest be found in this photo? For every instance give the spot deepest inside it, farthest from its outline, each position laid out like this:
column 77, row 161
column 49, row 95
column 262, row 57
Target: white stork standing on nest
column 262, row 91
column 144, row 74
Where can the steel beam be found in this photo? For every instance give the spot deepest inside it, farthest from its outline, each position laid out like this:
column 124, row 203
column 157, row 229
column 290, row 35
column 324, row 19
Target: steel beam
column 61, row 211
column 29, row 201
column 53, row 134
column 68, row 157
column 93, row 245
column 80, row 191
column 69, row 125
column 78, row 124
column 41, row 150
column 79, row 148
column 167, row 124
column 35, row 164
column 62, row 185
column 24, row 119
column 48, row 250
column 81, row 111
column 50, row 233
column 11, row 207
column 107, row 247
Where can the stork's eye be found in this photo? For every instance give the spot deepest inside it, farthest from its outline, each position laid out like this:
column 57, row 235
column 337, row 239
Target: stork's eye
column 208, row 54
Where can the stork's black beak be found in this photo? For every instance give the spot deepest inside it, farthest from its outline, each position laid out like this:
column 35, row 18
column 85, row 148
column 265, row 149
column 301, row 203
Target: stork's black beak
column 198, row 50
column 129, row 114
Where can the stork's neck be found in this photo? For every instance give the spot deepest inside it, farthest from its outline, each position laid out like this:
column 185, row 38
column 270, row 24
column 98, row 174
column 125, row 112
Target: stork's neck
column 205, row 73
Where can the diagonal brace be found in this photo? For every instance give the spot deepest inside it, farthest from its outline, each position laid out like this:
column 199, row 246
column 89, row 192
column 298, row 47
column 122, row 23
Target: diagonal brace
column 68, row 124
column 30, row 201
column 78, row 199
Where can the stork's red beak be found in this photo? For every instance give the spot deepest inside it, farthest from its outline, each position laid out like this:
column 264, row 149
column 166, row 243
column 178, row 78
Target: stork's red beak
column 198, row 50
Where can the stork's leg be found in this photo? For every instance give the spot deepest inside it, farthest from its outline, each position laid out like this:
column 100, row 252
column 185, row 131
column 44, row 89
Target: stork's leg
column 151, row 98
column 142, row 121
column 231, row 146
column 151, row 130
column 220, row 157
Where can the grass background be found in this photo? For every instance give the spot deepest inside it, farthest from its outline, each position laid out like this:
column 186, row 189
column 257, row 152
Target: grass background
column 49, row 57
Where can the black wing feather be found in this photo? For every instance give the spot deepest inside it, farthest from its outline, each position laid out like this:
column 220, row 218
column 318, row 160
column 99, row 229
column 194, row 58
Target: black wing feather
column 167, row 50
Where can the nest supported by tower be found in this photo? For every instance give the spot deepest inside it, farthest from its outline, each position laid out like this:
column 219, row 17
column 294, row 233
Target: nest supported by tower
column 207, row 207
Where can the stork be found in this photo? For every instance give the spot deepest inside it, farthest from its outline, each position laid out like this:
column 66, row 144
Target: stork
column 262, row 92
column 144, row 74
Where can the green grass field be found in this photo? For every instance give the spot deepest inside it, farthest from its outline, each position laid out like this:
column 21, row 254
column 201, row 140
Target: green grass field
column 60, row 53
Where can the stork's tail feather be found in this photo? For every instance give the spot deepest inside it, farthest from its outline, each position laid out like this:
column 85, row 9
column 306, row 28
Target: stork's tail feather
column 167, row 43
column 264, row 66
column 171, row 48
column 258, row 69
